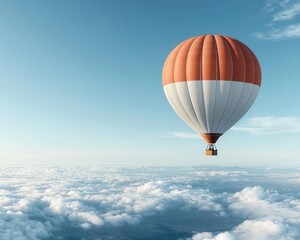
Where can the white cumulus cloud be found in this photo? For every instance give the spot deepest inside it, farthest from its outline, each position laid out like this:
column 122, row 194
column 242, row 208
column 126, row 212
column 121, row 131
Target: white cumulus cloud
column 260, row 229
column 268, row 217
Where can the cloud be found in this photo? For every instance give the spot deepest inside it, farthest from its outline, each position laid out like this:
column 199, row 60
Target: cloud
column 156, row 203
column 209, row 236
column 120, row 219
column 268, row 216
column 72, row 202
column 290, row 31
column 202, row 236
column 221, row 173
column 250, row 230
column 287, row 12
column 181, row 135
column 86, row 217
column 259, row 229
column 270, row 125
column 278, row 11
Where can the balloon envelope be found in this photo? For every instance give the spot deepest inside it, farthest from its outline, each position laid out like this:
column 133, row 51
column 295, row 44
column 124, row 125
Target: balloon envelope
column 211, row 81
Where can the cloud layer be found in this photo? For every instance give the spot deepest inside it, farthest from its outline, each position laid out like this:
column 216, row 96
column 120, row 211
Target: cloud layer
column 149, row 203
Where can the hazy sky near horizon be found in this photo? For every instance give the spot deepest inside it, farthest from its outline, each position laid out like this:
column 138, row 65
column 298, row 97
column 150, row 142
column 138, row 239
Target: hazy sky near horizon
column 80, row 81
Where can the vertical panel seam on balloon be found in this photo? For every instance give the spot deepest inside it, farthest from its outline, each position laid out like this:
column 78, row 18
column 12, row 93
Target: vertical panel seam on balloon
column 217, row 82
column 187, row 85
column 235, row 107
column 229, row 50
column 178, row 92
column 249, row 97
column 176, row 109
column 199, row 122
column 202, row 95
column 175, row 90
column 226, row 121
column 217, row 58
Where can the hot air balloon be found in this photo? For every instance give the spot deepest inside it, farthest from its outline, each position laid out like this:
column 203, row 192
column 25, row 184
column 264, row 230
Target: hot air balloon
column 211, row 81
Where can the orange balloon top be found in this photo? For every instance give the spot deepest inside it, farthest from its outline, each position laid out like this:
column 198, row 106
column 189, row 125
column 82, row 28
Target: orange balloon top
column 211, row 57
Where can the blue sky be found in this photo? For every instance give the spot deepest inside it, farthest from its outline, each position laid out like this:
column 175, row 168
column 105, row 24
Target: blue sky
column 80, row 82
